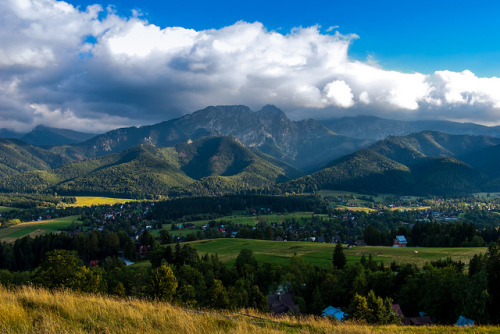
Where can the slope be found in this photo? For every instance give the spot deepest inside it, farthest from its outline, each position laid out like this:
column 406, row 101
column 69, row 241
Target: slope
column 208, row 165
column 418, row 164
column 363, row 171
column 409, row 149
column 17, row 156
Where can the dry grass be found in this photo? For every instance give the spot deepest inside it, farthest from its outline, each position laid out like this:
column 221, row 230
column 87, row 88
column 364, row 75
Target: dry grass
column 33, row 310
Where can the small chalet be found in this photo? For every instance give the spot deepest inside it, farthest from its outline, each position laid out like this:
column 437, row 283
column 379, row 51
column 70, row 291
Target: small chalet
column 282, row 304
column 397, row 309
column 400, row 241
column 464, row 322
column 333, row 312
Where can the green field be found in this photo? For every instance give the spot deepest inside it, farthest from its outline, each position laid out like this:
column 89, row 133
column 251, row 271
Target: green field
column 93, row 200
column 241, row 220
column 6, row 209
column 345, row 194
column 10, row 234
column 321, row 254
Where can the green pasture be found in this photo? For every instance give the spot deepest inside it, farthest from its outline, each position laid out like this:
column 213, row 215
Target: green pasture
column 93, row 200
column 346, row 194
column 241, row 220
column 5, row 209
column 11, row 233
column 321, row 254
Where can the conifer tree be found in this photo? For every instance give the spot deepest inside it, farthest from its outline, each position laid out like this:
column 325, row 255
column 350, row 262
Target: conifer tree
column 339, row 259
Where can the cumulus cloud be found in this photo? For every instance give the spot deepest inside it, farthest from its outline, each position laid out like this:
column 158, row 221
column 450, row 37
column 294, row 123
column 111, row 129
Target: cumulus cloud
column 93, row 70
column 339, row 93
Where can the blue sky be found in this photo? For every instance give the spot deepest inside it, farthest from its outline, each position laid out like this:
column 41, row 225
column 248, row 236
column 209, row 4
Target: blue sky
column 422, row 36
column 98, row 65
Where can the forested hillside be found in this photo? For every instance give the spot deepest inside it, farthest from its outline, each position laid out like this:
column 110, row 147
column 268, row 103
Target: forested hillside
column 207, row 166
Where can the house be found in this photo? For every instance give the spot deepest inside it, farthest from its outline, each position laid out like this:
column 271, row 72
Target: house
column 282, row 304
column 400, row 241
column 464, row 322
column 397, row 309
column 333, row 312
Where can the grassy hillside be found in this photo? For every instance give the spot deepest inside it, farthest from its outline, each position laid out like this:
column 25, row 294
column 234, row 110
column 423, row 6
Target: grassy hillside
column 321, row 254
column 32, row 310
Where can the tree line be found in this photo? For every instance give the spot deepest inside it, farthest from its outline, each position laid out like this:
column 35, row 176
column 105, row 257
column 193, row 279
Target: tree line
column 89, row 262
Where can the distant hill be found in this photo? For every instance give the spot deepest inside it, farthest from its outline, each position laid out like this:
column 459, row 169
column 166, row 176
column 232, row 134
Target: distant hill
column 369, row 127
column 46, row 136
column 418, row 164
column 372, row 127
column 306, row 145
column 16, row 157
column 409, row 149
column 206, row 166
column 5, row 133
column 457, row 128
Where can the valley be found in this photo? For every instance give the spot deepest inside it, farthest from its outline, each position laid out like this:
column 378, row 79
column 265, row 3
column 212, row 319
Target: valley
column 222, row 207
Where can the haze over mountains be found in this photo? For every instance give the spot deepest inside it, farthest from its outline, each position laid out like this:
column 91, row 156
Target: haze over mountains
column 372, row 127
column 232, row 149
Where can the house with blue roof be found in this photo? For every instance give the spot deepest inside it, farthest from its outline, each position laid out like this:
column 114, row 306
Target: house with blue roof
column 400, row 241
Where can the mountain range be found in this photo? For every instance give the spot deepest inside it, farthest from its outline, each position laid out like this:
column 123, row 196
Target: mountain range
column 376, row 128
column 210, row 165
column 232, row 149
column 306, row 145
column 425, row 163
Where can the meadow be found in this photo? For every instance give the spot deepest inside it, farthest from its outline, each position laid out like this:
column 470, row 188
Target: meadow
column 36, row 310
column 242, row 220
column 93, row 200
column 320, row 254
column 5, row 209
column 11, row 233
column 361, row 204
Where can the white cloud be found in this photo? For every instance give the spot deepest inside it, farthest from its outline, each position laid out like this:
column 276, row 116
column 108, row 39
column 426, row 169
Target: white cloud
column 364, row 97
column 134, row 72
column 338, row 93
column 466, row 88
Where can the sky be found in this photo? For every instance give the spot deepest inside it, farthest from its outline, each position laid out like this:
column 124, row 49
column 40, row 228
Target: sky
column 95, row 66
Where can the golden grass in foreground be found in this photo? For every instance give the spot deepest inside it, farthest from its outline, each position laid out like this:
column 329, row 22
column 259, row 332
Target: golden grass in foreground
column 33, row 310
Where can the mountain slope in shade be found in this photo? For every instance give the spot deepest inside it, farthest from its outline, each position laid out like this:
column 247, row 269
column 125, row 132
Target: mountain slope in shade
column 409, row 149
column 306, row 145
column 206, row 166
column 363, row 171
column 47, row 136
column 16, row 156
column 486, row 161
column 418, row 164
